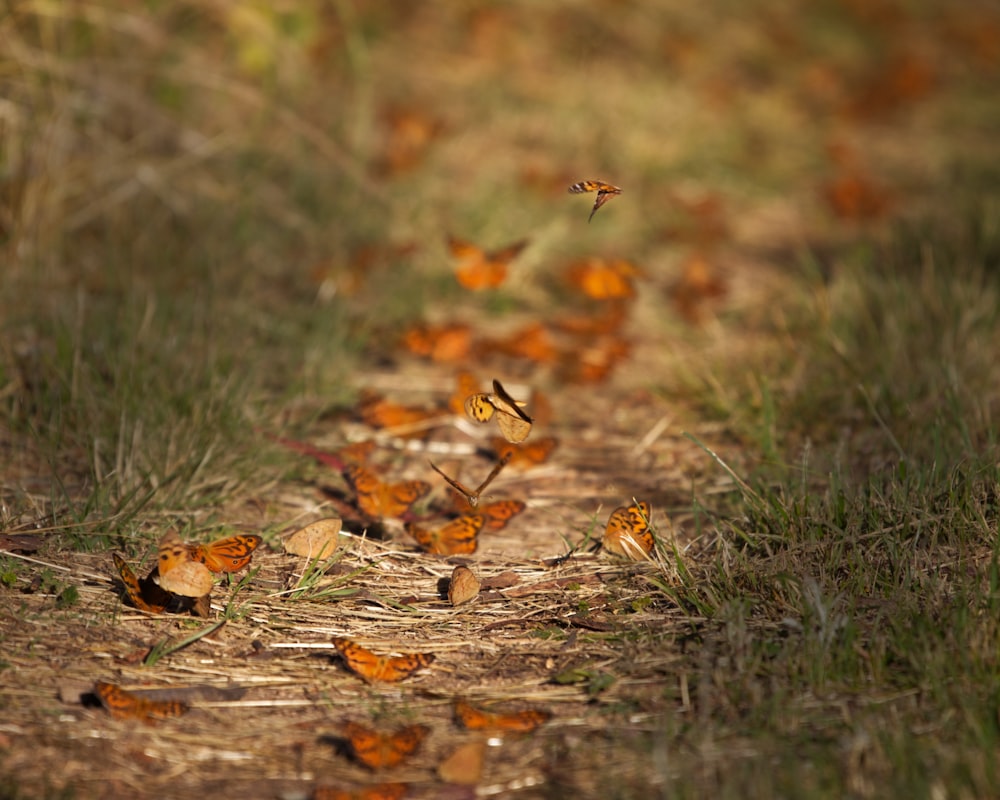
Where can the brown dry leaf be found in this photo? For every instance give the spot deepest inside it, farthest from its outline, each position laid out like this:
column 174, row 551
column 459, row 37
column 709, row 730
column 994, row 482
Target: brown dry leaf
column 463, row 587
column 316, row 540
column 464, row 765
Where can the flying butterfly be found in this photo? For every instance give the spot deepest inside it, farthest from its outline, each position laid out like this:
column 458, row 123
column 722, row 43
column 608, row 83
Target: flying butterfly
column 178, row 572
column 472, row 718
column 376, row 750
column 605, row 191
column 144, row 594
column 514, row 423
column 453, row 538
column 372, row 667
column 229, row 554
column 476, row 269
column 122, row 704
column 471, row 495
column 628, row 534
column 378, row 498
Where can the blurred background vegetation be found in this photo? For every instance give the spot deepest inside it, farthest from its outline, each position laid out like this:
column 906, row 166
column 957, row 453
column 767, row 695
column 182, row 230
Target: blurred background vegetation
column 213, row 213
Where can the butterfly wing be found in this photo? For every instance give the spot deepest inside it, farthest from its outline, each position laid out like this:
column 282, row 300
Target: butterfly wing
column 479, row 408
column 376, row 750
column 501, row 512
column 316, row 540
column 378, row 791
column 524, row 455
column 122, row 704
column 152, row 599
column 373, row 667
column 178, row 574
column 627, row 533
column 230, row 554
column 459, row 536
column 472, row 718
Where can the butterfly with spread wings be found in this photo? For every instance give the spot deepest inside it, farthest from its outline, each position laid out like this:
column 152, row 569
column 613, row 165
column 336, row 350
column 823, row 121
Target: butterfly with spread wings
column 605, row 191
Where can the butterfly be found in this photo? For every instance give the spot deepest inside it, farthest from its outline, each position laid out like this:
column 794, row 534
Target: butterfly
column 145, row 594
column 533, row 342
column 514, row 423
column 603, row 279
column 500, row 512
column 402, row 420
column 463, row 587
column 609, row 321
column 377, row 498
column 472, row 718
column 465, row 384
column 376, row 750
column 378, row 791
column 442, row 343
column 122, row 704
column 452, row 538
column 524, row 455
column 371, row 667
column 476, row 269
column 594, row 362
column 628, row 533
column 354, row 453
column 316, row 540
column 605, row 191
column 178, row 572
column 226, row 555
column 471, row 495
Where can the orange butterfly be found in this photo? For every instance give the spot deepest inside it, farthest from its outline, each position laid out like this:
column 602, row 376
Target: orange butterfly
column 376, row 750
column 408, row 133
column 524, row 455
column 145, row 594
column 319, row 539
column 441, row 343
column 122, row 704
column 593, row 363
column 476, row 269
column 603, row 279
column 609, row 321
column 226, row 555
column 452, row 538
column 471, row 495
column 499, row 513
column 355, row 453
column 377, row 498
column 533, row 342
column 178, row 572
column 605, row 191
column 378, row 791
column 472, row 718
column 514, row 423
column 372, row 667
column 399, row 419
column 628, row 533
column 465, row 384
